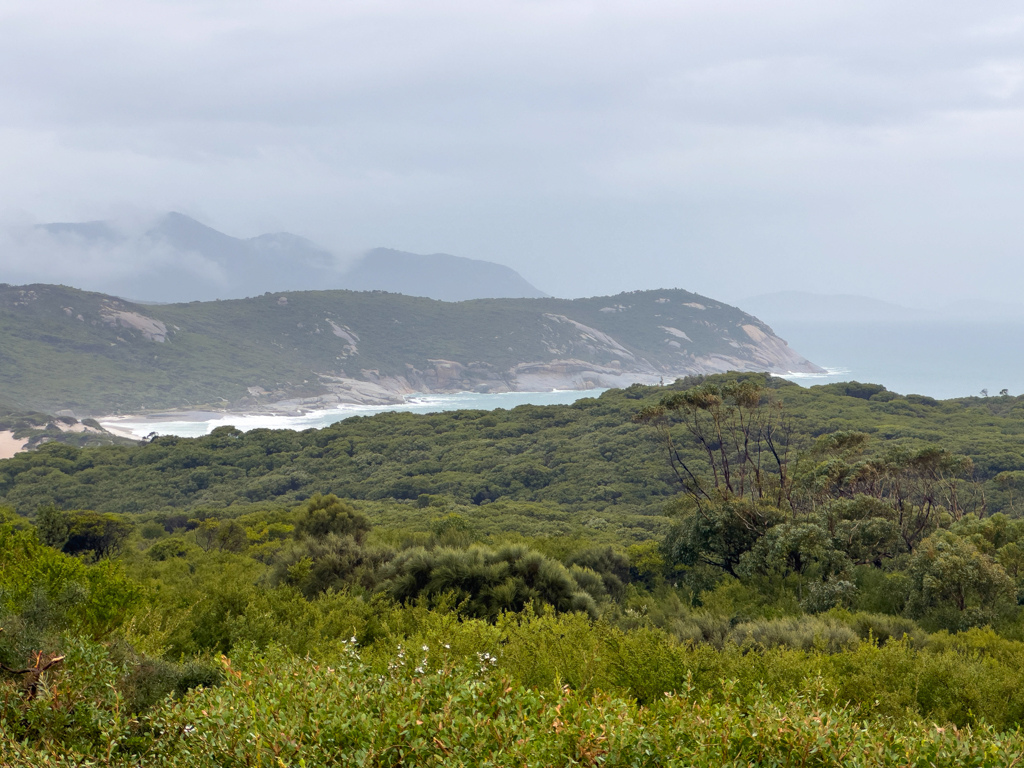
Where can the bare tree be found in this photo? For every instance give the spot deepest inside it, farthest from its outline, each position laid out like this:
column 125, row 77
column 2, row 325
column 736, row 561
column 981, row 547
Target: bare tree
column 741, row 432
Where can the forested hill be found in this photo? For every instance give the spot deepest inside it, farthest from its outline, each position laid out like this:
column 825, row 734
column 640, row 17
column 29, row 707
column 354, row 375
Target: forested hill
column 61, row 348
column 587, row 456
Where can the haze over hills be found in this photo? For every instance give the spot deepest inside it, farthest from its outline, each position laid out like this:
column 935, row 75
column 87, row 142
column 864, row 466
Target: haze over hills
column 801, row 306
column 178, row 259
column 96, row 354
column 437, row 276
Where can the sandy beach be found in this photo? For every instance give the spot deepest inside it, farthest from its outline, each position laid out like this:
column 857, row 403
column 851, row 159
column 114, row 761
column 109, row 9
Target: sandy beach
column 9, row 445
column 128, row 425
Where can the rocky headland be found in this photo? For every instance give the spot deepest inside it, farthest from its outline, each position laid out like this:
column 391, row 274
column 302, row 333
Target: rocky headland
column 93, row 354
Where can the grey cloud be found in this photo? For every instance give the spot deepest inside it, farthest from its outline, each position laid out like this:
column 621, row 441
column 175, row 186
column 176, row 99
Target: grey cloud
column 593, row 146
column 102, row 256
column 169, row 258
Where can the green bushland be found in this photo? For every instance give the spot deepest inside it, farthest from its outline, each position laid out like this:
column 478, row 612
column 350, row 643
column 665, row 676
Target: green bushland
column 142, row 636
column 585, row 456
column 428, row 708
column 778, row 578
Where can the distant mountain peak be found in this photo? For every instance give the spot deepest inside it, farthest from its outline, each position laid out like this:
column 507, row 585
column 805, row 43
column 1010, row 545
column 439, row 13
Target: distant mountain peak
column 178, row 259
column 438, row 276
column 187, row 234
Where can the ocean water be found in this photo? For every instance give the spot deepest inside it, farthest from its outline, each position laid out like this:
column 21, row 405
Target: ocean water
column 939, row 359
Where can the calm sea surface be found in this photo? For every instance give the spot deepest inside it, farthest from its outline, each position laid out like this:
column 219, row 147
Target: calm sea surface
column 942, row 360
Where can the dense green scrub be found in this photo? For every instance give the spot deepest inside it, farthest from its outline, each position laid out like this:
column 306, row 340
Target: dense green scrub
column 785, row 576
column 340, row 680
column 589, row 455
column 428, row 709
column 351, row 677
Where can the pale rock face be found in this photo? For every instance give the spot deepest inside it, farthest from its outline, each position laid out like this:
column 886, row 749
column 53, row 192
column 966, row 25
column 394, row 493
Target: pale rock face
column 593, row 337
column 152, row 330
column 755, row 333
column 675, row 332
column 760, row 350
column 346, row 333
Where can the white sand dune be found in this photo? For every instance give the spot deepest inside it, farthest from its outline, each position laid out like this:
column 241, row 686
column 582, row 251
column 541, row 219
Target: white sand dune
column 10, row 445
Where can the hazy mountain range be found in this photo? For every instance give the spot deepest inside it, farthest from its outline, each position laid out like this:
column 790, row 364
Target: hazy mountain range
column 178, row 259
column 437, row 276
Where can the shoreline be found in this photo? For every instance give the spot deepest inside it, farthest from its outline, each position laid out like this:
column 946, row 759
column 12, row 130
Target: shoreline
column 318, row 414
column 315, row 405
column 317, row 417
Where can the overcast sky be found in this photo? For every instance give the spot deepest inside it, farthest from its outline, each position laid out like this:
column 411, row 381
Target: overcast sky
column 730, row 148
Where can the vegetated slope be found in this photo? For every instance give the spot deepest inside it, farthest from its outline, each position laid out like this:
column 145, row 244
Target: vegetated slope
column 438, row 276
column 586, row 456
column 62, row 348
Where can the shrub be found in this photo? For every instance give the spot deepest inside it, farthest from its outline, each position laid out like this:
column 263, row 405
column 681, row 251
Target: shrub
column 955, row 586
column 152, row 530
column 486, row 582
column 334, row 562
column 804, row 633
column 323, row 515
column 882, row 628
column 101, row 534
column 48, row 592
column 168, row 548
column 613, row 568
